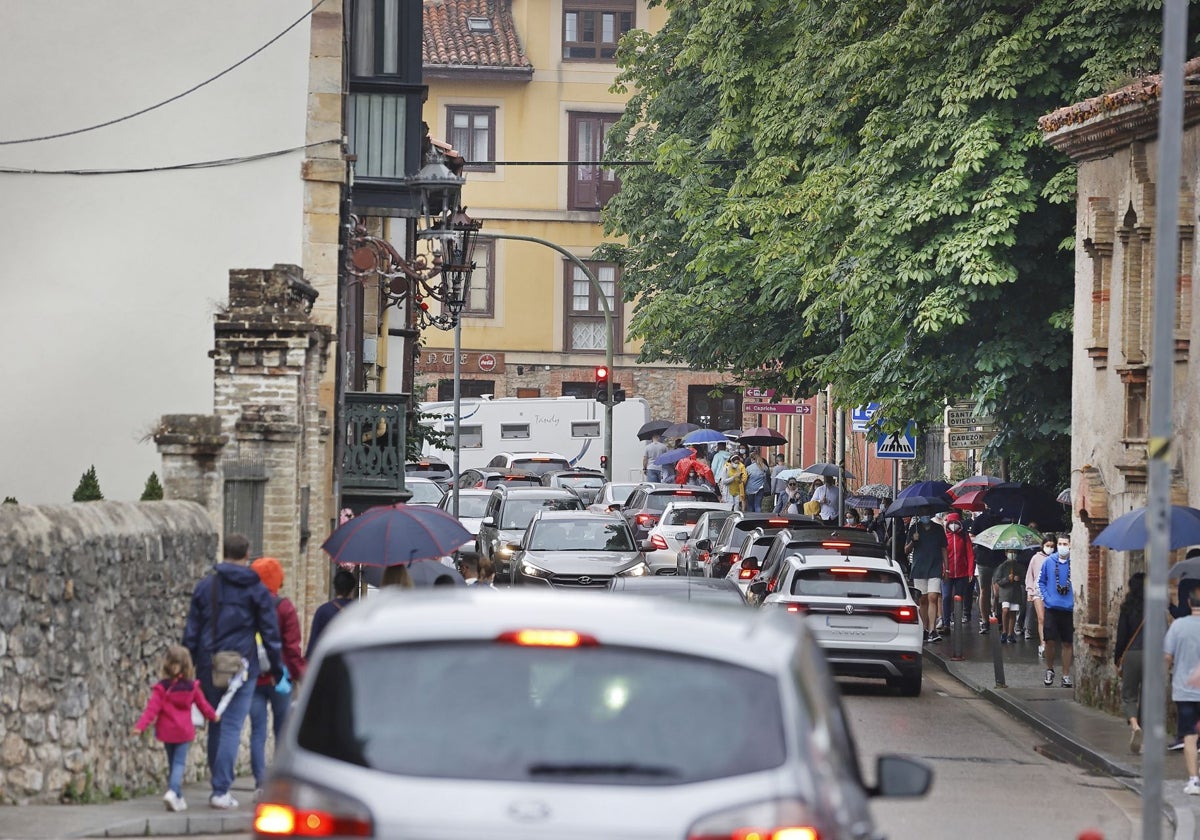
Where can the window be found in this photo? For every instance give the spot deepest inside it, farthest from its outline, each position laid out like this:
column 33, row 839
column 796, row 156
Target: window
column 585, row 315
column 585, row 429
column 470, row 437
column 514, row 431
column 592, row 28
column 1136, row 410
column 467, row 389
column 722, row 411
column 473, row 135
column 481, row 294
column 579, row 390
column 591, row 186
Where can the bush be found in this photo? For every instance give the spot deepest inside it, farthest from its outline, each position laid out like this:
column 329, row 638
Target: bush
column 153, row 491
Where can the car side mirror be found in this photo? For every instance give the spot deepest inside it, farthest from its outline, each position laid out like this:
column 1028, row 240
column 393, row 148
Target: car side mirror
column 488, row 520
column 758, row 587
column 704, row 545
column 683, row 535
column 614, row 507
column 514, row 547
column 896, row 775
column 645, row 545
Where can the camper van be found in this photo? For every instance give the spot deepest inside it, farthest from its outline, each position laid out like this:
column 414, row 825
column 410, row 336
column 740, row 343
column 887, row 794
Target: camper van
column 568, row 426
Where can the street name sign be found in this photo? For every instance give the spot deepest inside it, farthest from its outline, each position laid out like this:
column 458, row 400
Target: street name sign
column 963, row 416
column 897, row 446
column 971, row 440
column 777, row 408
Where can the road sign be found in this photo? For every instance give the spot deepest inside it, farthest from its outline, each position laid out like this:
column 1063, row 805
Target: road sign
column 860, row 418
column 760, row 393
column 777, row 408
column 898, row 446
column 963, row 416
column 971, row 440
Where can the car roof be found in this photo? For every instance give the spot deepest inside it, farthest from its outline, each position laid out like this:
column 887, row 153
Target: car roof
column 673, row 582
column 419, row 479
column 763, row 640
column 588, row 471
column 538, row 492
column 538, row 454
column 813, row 561
column 700, row 505
column 579, row 514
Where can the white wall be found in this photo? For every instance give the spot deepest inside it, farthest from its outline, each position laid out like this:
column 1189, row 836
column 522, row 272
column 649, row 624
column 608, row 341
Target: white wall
column 108, row 283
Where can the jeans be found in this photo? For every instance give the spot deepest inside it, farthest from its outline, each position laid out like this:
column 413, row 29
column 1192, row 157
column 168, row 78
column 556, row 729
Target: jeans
column 654, row 474
column 754, row 501
column 264, row 696
column 176, row 764
column 225, row 736
column 951, row 587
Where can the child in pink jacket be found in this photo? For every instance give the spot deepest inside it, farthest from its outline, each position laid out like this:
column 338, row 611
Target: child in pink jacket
column 170, row 710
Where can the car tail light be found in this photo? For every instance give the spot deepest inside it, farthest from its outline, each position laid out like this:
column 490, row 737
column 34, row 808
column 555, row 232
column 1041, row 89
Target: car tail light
column 298, row 809
column 777, row 819
column 541, row 637
column 644, row 518
column 778, row 522
column 904, row 615
column 836, row 544
column 480, row 483
column 659, row 542
column 842, row 570
column 796, row 608
column 746, row 574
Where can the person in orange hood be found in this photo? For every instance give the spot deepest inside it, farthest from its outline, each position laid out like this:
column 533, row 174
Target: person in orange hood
column 959, row 573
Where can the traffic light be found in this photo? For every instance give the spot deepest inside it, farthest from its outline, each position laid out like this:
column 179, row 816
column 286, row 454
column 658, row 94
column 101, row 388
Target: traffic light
column 602, row 378
column 618, row 395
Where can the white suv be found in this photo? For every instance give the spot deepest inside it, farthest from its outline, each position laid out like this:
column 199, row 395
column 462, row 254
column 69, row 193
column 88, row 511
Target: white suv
column 856, row 602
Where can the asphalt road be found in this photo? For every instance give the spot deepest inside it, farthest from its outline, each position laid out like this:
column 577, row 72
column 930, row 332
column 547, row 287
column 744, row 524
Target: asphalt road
column 993, row 776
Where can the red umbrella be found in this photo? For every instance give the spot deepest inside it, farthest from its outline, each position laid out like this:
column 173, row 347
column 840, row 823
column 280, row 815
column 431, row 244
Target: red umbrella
column 971, row 500
column 975, row 482
column 762, row 436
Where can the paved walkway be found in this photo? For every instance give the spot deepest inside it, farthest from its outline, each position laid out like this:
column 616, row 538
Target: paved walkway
column 1082, row 735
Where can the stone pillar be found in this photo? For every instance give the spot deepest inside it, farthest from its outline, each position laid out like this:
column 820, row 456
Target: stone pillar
column 191, row 447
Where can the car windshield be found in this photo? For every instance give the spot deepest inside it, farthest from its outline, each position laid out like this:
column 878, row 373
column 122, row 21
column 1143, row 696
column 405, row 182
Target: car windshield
column 848, row 582
column 580, row 535
column 715, row 522
column 518, row 513
column 682, row 516
column 424, row 493
column 470, row 507
column 581, row 482
column 590, row 715
column 659, row 501
column 539, row 466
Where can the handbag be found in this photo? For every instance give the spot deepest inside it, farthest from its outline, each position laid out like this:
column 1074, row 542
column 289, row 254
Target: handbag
column 225, row 663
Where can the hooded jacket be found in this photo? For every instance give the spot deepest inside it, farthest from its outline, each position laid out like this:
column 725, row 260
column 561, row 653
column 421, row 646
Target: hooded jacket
column 243, row 607
column 170, row 710
column 270, row 571
column 960, row 552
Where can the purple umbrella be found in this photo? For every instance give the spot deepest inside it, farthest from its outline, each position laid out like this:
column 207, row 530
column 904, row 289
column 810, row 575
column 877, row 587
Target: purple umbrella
column 392, row 535
column 672, row 457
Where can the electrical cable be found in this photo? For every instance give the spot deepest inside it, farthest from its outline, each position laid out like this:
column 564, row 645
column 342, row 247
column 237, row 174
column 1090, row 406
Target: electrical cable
column 204, row 164
column 177, row 96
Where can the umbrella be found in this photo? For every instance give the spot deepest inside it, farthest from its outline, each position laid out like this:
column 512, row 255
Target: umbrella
column 672, row 457
column 800, row 475
column 879, row 491
column 762, row 436
column 654, row 427
column 1025, row 503
column 1064, row 498
column 1189, row 567
column 971, row 500
column 434, row 573
column 1008, row 537
column 1128, row 531
column 931, row 489
column 235, row 682
column 975, row 482
column 827, row 469
column 917, row 506
column 390, row 535
column 860, row 501
column 679, row 430
column 699, row 436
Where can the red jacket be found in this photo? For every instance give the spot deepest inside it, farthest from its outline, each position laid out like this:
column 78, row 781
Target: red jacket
column 289, row 633
column 170, row 710
column 960, row 553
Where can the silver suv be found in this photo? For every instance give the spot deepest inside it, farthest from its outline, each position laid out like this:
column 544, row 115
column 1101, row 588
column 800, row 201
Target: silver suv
column 572, row 717
column 508, row 513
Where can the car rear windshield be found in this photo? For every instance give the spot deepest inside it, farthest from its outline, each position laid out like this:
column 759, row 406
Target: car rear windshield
column 423, row 493
column 514, row 480
column 659, row 501
column 621, row 492
column 580, row 535
column 540, row 466
column 503, row 712
column 683, row 516
column 518, row 513
column 584, row 482
column 471, row 507
column 848, row 582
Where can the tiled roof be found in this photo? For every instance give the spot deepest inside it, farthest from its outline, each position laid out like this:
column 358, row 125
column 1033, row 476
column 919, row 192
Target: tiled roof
column 1147, row 89
column 451, row 43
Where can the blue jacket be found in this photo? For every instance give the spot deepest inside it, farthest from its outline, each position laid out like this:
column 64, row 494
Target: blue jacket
column 1055, row 573
column 244, row 607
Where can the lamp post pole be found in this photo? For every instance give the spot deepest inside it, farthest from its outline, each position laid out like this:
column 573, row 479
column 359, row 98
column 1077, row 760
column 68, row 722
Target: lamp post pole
column 457, row 408
column 608, row 327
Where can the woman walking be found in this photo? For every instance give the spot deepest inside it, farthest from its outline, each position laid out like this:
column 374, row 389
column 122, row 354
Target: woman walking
column 1032, row 593
column 1128, row 653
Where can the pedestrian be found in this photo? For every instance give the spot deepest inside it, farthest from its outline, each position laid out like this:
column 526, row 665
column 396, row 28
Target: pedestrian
column 487, row 573
column 1128, row 655
column 396, row 576
column 1032, row 593
column 852, row 520
column 986, row 562
column 757, row 473
column 169, row 708
column 927, row 544
column 733, row 482
column 228, row 608
column 344, row 586
column 468, row 567
column 778, row 484
column 1182, row 648
column 719, row 458
column 684, row 466
column 791, row 499
column 1189, row 579
column 1054, row 583
column 959, row 572
column 830, row 498
column 655, row 448
column 1009, row 580
column 270, row 694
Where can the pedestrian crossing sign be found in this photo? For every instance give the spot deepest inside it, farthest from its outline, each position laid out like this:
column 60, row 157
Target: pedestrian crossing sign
column 899, row 446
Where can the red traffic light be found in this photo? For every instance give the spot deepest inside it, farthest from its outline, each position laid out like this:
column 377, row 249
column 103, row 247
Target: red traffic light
column 601, row 375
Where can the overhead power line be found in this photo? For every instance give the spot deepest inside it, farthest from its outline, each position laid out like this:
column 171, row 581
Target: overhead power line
column 177, row 96
column 203, row 164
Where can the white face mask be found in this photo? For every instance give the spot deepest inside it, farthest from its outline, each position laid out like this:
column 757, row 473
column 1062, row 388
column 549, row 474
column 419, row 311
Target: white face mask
column 954, row 526
column 1064, row 551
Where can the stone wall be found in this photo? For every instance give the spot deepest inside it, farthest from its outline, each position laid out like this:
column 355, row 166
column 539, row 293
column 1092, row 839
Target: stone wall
column 90, row 596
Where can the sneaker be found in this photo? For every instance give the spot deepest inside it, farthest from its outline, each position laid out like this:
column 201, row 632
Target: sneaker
column 225, row 801
column 1135, row 741
column 935, row 636
column 1020, row 629
column 1177, row 744
column 940, row 626
column 1028, row 634
column 171, row 801
column 1041, row 650
column 983, row 628
column 1192, row 788
column 1012, row 639
column 1067, row 683
column 1049, row 678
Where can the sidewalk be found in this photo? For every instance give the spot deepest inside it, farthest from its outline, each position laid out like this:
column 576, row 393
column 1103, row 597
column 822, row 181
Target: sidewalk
column 1081, row 735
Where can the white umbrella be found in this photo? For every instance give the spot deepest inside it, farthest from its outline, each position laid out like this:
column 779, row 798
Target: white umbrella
column 800, row 475
column 235, row 682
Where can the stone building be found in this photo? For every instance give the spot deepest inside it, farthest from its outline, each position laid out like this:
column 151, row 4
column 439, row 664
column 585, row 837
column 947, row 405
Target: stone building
column 1113, row 140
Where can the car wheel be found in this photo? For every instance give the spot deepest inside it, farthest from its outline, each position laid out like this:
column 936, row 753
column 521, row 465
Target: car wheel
column 909, row 684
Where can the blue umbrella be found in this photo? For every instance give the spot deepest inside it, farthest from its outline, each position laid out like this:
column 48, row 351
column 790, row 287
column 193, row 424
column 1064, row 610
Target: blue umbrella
column 931, row 489
column 391, row 535
column 1128, row 532
column 672, row 457
column 704, row 436
column 917, row 505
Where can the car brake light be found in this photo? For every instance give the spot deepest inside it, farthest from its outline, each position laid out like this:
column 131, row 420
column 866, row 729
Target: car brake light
column 904, row 615
column 777, row 522
column 644, row 518
column 845, row 571
column 480, row 483
column 835, row 544
column 547, row 638
column 746, row 574
column 733, row 558
column 796, row 608
column 684, row 493
column 784, row 819
column 298, row 809
column 658, row 542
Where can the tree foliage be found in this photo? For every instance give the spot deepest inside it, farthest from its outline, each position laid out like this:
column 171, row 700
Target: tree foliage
column 89, row 487
column 153, row 491
column 855, row 192
column 9, row 500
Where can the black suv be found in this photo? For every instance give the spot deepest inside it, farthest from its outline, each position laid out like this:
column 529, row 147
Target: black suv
column 789, row 541
column 645, row 504
column 725, row 548
column 508, row 513
column 491, row 478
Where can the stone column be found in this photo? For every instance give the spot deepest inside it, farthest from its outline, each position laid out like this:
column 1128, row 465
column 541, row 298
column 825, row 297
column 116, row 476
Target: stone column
column 191, row 447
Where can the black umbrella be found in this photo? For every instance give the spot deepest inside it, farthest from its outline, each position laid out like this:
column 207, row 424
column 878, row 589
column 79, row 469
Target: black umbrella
column 654, row 427
column 762, row 436
column 827, row 469
column 391, row 535
column 678, row 430
column 1025, row 503
column 917, row 506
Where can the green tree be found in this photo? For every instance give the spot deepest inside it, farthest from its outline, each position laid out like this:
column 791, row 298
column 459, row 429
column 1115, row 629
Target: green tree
column 855, row 192
column 153, row 491
column 89, row 487
column 9, row 500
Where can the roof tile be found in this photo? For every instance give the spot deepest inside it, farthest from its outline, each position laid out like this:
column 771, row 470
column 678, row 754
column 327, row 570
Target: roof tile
column 450, row 42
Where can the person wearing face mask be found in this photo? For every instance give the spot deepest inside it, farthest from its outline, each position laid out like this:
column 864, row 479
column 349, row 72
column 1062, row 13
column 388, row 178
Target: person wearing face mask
column 927, row 545
column 960, row 569
column 1010, row 578
column 1034, row 595
column 986, row 561
column 1054, row 584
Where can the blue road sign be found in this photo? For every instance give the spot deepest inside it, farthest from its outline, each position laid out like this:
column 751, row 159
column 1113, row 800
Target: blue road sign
column 860, row 418
column 899, row 446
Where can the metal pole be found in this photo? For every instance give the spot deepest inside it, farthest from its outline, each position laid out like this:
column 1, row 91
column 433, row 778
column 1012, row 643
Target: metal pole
column 1162, row 363
column 457, row 408
column 608, row 326
column 841, row 462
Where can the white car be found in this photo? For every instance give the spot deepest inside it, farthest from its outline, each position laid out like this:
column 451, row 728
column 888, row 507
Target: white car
column 672, row 529
column 462, row 714
column 472, row 501
column 425, row 491
column 855, row 601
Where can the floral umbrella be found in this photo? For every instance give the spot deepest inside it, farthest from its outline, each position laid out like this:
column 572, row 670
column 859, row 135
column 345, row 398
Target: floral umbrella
column 879, row 491
column 1008, row 537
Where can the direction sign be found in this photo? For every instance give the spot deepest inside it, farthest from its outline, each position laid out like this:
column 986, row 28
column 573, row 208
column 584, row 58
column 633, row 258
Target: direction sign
column 971, row 440
column 963, row 416
column 898, row 446
column 777, row 408
column 860, row 418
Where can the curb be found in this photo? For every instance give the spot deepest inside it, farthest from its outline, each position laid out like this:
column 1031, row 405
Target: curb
column 168, row 826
